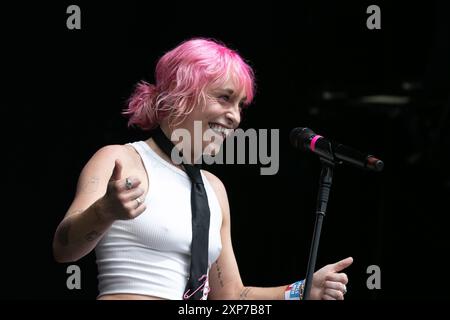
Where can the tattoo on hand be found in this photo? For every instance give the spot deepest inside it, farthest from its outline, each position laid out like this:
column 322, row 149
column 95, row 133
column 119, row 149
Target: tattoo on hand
column 91, row 185
column 91, row 236
column 219, row 273
column 244, row 293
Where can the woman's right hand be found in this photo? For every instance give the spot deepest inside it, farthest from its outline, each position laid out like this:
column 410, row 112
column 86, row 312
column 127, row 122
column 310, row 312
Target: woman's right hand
column 123, row 199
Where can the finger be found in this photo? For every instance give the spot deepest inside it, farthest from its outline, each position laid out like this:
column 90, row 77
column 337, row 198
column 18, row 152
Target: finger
column 338, row 295
column 121, row 185
column 117, row 171
column 133, row 204
column 327, row 297
column 140, row 209
column 341, row 265
column 132, row 194
column 337, row 277
column 336, row 286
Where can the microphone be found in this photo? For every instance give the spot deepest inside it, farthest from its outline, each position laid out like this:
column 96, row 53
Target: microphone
column 306, row 139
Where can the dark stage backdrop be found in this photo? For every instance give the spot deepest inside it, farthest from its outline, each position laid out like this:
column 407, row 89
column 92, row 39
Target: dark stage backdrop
column 317, row 64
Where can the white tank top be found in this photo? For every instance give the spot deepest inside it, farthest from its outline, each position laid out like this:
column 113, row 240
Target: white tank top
column 150, row 255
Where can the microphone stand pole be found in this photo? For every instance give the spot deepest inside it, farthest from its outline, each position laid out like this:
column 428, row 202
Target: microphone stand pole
column 326, row 179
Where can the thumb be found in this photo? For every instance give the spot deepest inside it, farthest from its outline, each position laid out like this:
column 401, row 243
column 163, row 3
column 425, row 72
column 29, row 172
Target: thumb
column 117, row 171
column 341, row 265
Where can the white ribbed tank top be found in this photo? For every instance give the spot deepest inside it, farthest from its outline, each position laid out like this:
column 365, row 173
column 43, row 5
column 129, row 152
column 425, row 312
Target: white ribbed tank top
column 150, row 255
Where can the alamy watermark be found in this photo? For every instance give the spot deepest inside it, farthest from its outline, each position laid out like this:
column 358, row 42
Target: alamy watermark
column 374, row 20
column 74, row 280
column 263, row 147
column 74, row 20
column 374, row 280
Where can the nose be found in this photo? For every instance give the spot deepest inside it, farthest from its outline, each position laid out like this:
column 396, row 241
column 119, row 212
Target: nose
column 233, row 116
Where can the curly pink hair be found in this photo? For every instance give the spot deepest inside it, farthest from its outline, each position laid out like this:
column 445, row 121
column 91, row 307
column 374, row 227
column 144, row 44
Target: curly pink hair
column 182, row 77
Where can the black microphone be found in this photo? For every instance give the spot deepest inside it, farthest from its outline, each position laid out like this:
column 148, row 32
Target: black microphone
column 306, row 139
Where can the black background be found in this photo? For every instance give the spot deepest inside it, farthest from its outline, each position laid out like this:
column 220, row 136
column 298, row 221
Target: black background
column 63, row 91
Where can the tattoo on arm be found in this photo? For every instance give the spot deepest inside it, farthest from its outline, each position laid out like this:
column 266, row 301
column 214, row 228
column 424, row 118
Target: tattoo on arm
column 244, row 293
column 219, row 273
column 91, row 185
column 91, row 236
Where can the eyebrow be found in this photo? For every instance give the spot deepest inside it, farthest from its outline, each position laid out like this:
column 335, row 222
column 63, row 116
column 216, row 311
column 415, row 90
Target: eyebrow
column 231, row 92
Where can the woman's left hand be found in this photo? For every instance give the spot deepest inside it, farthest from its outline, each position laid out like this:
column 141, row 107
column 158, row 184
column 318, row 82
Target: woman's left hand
column 329, row 283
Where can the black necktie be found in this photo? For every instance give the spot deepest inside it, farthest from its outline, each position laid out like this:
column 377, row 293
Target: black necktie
column 200, row 223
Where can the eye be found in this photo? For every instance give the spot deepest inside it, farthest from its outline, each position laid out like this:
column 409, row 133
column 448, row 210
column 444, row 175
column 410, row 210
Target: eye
column 225, row 98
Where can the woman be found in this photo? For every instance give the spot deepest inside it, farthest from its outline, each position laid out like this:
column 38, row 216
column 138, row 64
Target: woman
column 134, row 203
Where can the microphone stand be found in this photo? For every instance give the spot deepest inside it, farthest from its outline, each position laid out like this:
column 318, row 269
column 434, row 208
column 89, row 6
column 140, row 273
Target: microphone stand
column 326, row 179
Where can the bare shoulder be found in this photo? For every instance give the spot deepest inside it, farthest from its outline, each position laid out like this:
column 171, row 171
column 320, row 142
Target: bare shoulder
column 100, row 166
column 93, row 179
column 220, row 191
column 113, row 151
column 215, row 182
column 108, row 154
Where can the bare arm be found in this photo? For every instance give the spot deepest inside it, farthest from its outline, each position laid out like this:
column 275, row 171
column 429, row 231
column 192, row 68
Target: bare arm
column 79, row 233
column 225, row 281
column 224, row 278
column 237, row 290
column 100, row 199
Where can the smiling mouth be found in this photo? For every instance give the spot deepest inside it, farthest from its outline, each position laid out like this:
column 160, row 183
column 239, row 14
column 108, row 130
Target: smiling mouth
column 220, row 130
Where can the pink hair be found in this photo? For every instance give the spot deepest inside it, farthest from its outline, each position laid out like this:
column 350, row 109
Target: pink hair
column 182, row 77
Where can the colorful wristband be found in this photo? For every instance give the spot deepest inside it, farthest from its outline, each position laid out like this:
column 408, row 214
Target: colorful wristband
column 295, row 291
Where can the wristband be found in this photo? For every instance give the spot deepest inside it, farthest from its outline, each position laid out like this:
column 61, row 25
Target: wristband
column 295, row 291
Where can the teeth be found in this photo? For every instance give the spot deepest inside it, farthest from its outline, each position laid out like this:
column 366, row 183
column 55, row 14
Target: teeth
column 220, row 130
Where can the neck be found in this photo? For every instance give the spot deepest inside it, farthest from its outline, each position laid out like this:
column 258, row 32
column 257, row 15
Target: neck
column 152, row 144
column 182, row 144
